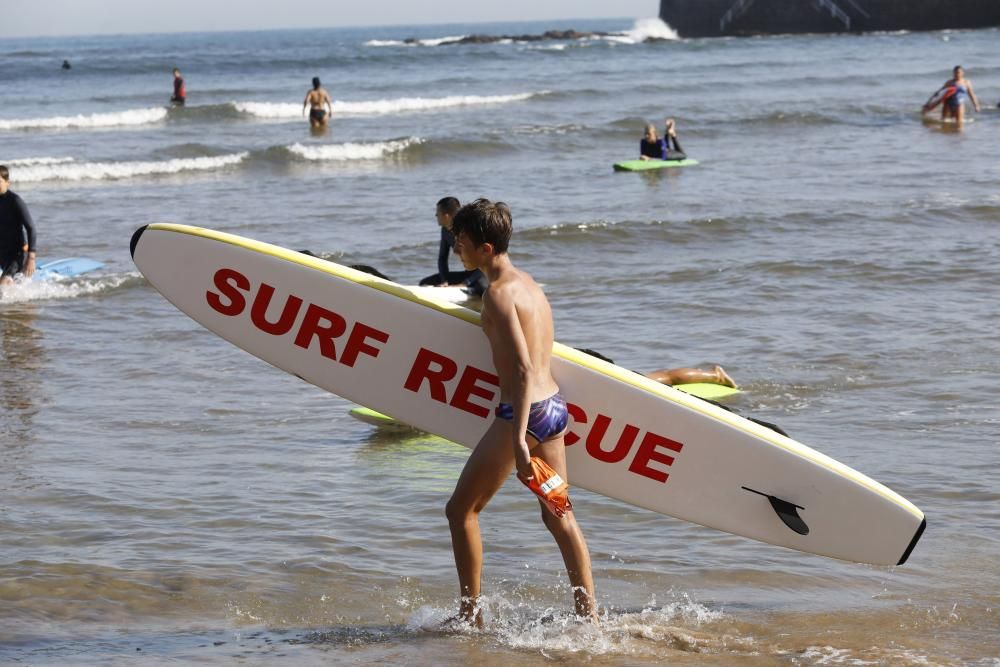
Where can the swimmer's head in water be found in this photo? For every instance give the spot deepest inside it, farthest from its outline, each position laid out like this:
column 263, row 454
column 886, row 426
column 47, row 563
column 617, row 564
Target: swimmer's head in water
column 315, row 83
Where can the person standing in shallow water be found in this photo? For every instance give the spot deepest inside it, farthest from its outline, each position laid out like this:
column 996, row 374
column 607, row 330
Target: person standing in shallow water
column 316, row 99
column 531, row 419
column 17, row 233
column 180, row 94
column 952, row 96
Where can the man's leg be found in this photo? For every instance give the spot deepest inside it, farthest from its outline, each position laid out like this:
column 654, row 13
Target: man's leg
column 8, row 268
column 484, row 473
column 568, row 535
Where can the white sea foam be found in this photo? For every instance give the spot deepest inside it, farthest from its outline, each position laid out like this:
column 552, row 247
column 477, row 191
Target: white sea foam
column 28, row 161
column 287, row 111
column 95, row 120
column 80, row 171
column 353, row 151
column 437, row 41
column 644, row 29
column 24, row 290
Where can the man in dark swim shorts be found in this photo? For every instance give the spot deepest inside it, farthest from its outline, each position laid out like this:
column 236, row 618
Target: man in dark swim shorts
column 315, row 100
column 17, row 233
column 546, row 419
column 527, row 434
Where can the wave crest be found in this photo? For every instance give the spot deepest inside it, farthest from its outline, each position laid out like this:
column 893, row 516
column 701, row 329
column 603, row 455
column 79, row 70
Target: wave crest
column 82, row 171
column 288, row 111
column 94, row 120
column 353, row 151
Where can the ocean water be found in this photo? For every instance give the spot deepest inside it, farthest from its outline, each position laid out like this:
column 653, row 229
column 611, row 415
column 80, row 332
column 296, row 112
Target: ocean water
column 167, row 499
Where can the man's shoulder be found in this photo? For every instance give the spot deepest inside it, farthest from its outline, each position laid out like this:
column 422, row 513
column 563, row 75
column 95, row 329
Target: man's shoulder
column 517, row 289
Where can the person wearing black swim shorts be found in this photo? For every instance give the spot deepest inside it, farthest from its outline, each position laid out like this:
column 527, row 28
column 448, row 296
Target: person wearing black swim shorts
column 316, row 99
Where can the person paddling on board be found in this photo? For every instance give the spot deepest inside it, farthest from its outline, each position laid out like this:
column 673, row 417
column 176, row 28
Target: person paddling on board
column 180, row 94
column 952, row 95
column 652, row 147
column 474, row 281
column 531, row 420
column 316, row 99
column 17, row 233
column 675, row 376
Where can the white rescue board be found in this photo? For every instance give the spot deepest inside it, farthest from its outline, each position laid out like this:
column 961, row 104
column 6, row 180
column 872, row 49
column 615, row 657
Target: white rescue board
column 427, row 363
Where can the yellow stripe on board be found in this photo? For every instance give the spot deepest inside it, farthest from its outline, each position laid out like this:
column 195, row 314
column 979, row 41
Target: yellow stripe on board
column 560, row 350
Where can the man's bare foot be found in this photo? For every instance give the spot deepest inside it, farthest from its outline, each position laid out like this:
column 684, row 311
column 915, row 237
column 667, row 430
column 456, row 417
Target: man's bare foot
column 670, row 128
column 723, row 377
column 586, row 606
column 469, row 616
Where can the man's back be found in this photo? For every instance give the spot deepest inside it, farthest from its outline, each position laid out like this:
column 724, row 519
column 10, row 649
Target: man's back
column 318, row 97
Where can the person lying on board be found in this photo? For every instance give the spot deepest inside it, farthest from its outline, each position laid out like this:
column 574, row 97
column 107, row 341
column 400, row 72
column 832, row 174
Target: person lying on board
column 652, row 147
column 531, row 420
column 952, row 95
column 474, row 280
column 675, row 376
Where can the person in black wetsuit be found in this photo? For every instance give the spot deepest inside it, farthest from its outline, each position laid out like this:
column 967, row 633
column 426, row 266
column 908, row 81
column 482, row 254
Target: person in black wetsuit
column 17, row 233
column 651, row 147
column 474, row 281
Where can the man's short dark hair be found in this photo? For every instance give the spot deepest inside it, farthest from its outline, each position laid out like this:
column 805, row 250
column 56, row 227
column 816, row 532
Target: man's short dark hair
column 484, row 221
column 4, row 173
column 449, row 205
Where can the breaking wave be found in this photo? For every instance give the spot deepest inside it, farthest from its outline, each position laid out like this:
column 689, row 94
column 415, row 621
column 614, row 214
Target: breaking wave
column 289, row 111
column 87, row 171
column 95, row 120
column 353, row 151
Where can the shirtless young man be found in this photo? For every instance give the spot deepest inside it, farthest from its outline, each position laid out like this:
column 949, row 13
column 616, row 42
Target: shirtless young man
column 531, row 419
column 315, row 100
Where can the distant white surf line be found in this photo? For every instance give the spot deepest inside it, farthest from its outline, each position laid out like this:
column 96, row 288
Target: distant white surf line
column 642, row 30
column 29, row 161
column 95, row 120
column 352, row 151
column 97, row 171
column 416, row 42
column 287, row 111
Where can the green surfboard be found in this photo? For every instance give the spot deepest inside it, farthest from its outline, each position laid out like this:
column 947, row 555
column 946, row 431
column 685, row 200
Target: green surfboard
column 646, row 165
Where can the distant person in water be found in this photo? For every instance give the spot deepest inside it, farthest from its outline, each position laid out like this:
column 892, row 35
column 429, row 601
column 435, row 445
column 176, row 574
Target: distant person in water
column 180, row 95
column 474, row 280
column 316, row 99
column 66, row 65
column 17, row 233
column 952, row 95
column 652, row 147
column 675, row 376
